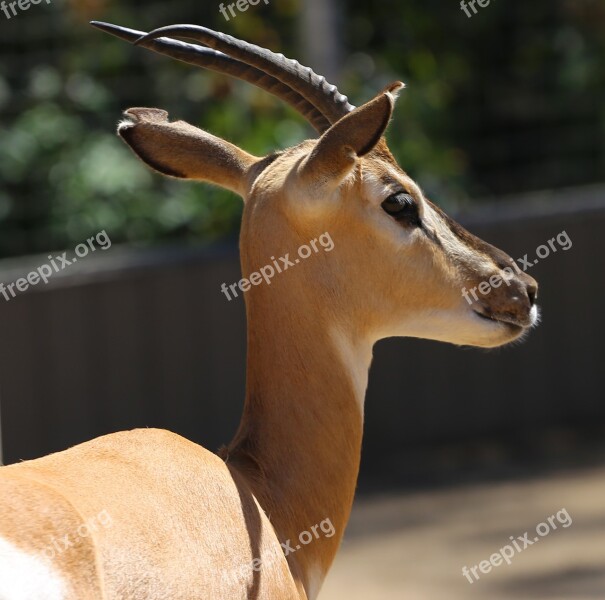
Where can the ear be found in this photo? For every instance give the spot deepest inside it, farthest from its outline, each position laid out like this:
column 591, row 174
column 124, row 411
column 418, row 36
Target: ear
column 353, row 136
column 181, row 150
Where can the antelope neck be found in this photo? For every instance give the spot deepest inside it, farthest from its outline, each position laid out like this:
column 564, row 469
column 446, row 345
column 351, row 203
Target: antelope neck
column 300, row 436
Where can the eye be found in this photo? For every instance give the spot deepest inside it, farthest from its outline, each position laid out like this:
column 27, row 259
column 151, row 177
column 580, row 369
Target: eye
column 402, row 207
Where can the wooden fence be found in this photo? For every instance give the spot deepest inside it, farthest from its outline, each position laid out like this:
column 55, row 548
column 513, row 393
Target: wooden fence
column 145, row 338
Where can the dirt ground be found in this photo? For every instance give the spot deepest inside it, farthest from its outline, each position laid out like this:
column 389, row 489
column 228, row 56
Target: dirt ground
column 413, row 545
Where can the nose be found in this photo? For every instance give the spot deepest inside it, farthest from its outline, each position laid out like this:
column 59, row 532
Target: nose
column 532, row 291
column 529, row 284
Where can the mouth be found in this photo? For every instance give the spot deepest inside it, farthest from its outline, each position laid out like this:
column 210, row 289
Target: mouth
column 511, row 322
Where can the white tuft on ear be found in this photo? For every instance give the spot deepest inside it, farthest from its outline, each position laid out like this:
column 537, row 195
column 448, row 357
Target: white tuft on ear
column 394, row 89
column 125, row 124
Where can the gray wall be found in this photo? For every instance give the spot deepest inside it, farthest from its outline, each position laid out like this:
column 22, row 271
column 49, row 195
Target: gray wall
column 145, row 338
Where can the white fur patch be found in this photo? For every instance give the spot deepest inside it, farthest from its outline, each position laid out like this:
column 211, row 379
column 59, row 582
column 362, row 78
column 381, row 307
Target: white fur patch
column 125, row 124
column 357, row 364
column 315, row 579
column 534, row 315
column 27, row 577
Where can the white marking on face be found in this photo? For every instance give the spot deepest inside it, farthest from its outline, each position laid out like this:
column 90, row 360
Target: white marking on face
column 25, row 576
column 378, row 190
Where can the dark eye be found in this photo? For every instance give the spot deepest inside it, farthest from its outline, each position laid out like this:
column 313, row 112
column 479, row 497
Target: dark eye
column 402, row 207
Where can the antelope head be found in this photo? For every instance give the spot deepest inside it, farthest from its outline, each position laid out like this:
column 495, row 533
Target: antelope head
column 400, row 265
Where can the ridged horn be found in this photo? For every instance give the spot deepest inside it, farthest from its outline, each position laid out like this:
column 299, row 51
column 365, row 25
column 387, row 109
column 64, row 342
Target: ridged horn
column 333, row 106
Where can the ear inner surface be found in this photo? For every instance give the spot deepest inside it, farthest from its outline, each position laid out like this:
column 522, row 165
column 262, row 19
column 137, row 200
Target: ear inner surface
column 179, row 149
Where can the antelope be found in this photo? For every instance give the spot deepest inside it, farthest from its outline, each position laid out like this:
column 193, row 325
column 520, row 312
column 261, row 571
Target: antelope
column 187, row 523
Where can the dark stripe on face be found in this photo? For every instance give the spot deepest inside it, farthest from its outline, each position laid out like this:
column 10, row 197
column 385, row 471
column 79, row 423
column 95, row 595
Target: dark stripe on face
column 500, row 258
column 430, row 234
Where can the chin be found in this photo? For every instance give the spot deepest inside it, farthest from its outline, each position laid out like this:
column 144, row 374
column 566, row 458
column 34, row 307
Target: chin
column 506, row 332
column 465, row 327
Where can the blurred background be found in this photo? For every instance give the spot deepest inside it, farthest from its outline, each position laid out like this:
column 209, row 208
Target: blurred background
column 502, row 124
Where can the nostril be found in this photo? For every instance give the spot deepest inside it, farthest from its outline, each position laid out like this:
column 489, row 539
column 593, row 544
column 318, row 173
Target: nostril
column 532, row 293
